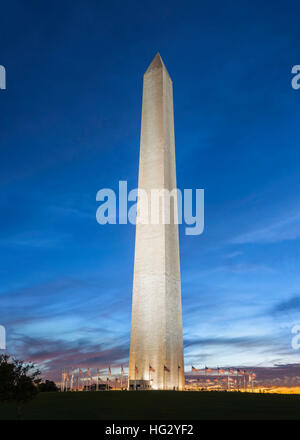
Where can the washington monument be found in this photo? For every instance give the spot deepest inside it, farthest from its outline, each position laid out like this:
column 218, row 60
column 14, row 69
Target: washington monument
column 156, row 346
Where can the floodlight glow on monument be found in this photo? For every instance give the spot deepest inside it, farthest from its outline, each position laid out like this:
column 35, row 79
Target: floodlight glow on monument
column 156, row 345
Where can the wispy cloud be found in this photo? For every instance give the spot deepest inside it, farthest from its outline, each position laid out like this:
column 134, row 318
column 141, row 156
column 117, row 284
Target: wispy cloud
column 286, row 228
column 291, row 305
column 242, row 342
column 247, row 267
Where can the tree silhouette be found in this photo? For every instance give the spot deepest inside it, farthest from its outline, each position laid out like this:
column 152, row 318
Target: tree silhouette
column 47, row 386
column 18, row 381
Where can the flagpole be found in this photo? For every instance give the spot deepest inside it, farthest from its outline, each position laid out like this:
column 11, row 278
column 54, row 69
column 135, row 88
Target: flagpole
column 61, row 382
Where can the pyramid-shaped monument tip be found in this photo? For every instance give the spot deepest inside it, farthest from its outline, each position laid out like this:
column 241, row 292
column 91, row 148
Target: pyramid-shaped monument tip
column 157, row 63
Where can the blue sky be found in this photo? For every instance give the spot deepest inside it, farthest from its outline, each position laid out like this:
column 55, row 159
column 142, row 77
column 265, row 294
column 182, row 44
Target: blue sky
column 69, row 126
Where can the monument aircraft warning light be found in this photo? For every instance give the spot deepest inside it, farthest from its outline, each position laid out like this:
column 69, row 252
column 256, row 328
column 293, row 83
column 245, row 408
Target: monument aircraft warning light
column 156, row 345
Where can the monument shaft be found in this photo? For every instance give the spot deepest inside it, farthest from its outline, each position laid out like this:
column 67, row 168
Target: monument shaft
column 156, row 346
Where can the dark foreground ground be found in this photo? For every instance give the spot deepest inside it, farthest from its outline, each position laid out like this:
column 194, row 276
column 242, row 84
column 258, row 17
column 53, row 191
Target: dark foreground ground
column 161, row 405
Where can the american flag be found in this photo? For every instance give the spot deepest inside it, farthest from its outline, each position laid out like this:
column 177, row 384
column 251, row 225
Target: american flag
column 151, row 368
column 194, row 369
column 122, row 370
column 136, row 369
column 208, row 370
column 166, row 368
column 109, row 371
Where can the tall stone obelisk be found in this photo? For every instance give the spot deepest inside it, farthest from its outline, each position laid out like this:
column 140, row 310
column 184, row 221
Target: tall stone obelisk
column 156, row 346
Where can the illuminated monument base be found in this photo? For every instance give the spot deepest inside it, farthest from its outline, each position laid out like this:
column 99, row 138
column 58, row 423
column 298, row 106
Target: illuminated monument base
column 140, row 385
column 156, row 347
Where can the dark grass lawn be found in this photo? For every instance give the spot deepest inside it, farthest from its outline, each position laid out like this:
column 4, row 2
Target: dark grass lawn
column 163, row 405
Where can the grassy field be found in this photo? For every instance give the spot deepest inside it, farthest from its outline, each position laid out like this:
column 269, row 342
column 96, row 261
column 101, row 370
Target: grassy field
column 163, row 405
